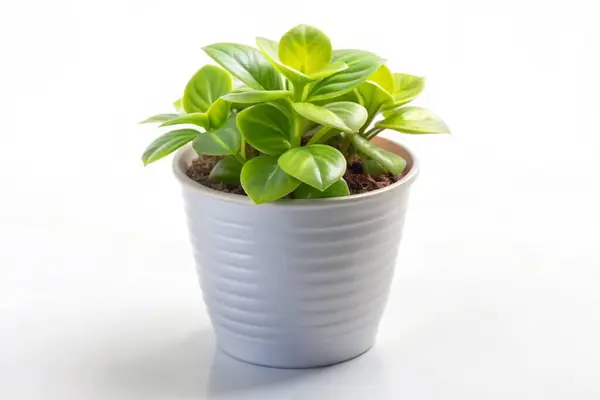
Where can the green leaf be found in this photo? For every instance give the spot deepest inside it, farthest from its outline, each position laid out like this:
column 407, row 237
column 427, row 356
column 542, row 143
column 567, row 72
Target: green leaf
column 317, row 165
column 199, row 118
column 167, row 143
column 266, row 128
column 390, row 161
column 371, row 166
column 305, row 49
column 413, row 120
column 264, row 181
column 224, row 141
column 384, row 78
column 361, row 65
column 206, row 86
column 256, row 96
column 227, row 170
column 344, row 115
column 269, row 49
column 159, row 118
column 338, row 189
column 330, row 69
column 218, row 113
column 407, row 88
column 247, row 64
column 373, row 97
column 178, row 104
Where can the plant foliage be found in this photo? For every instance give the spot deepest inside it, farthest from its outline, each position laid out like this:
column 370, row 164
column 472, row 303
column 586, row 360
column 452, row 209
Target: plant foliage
column 303, row 110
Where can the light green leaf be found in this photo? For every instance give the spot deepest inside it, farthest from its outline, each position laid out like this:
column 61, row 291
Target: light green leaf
column 199, row 118
column 256, row 96
column 361, row 65
column 218, row 113
column 269, row 49
column 168, row 143
column 305, row 48
column 227, row 170
column 413, row 120
column 373, row 97
column 390, row 161
column 317, row 165
column 266, row 128
column 178, row 104
column 344, row 115
column 206, row 86
column 407, row 88
column 223, row 141
column 384, row 78
column 264, row 181
column 338, row 189
column 247, row 64
column 329, row 70
column 159, row 118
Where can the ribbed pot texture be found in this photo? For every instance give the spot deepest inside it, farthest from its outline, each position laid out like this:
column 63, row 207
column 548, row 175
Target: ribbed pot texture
column 295, row 283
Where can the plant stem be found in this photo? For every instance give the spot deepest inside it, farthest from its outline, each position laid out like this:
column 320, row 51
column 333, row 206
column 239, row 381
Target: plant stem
column 242, row 160
column 243, row 149
column 296, row 130
column 370, row 134
column 369, row 120
column 319, row 135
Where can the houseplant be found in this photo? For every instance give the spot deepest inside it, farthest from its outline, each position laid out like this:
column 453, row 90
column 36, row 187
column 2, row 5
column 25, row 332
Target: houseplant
column 302, row 280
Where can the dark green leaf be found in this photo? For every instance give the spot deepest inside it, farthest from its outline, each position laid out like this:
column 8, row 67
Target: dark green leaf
column 266, row 128
column 206, row 86
column 317, row 165
column 199, row 118
column 413, row 120
column 361, row 65
column 168, row 143
column 338, row 189
column 247, row 64
column 256, row 96
column 264, row 181
column 227, row 170
column 305, row 49
column 390, row 161
column 344, row 115
column 159, row 118
column 223, row 141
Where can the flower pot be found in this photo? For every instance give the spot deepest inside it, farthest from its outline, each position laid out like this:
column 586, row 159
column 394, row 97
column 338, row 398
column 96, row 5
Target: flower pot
column 295, row 283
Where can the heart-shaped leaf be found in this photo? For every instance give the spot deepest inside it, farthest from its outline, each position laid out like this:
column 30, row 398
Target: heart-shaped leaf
column 269, row 49
column 218, row 113
column 256, row 96
column 344, row 115
column 361, row 65
column 384, row 78
column 159, row 118
column 247, row 64
column 317, row 165
column 206, row 86
column 264, row 181
column 305, row 49
column 330, row 69
column 406, row 88
column 227, row 170
column 338, row 189
column 266, row 128
column 168, row 143
column 199, row 118
column 413, row 120
column 390, row 161
column 223, row 141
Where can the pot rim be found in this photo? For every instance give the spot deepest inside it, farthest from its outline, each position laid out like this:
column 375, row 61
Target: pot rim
column 184, row 153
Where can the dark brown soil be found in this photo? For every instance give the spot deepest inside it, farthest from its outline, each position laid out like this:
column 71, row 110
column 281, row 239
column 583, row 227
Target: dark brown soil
column 357, row 181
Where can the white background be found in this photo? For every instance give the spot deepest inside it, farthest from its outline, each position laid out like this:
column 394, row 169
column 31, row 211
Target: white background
column 496, row 294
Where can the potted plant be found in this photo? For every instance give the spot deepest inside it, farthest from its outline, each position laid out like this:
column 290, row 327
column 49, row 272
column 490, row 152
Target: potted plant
column 295, row 207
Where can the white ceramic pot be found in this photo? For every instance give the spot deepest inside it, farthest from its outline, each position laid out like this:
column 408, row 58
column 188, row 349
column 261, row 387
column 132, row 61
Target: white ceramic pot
column 295, row 283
